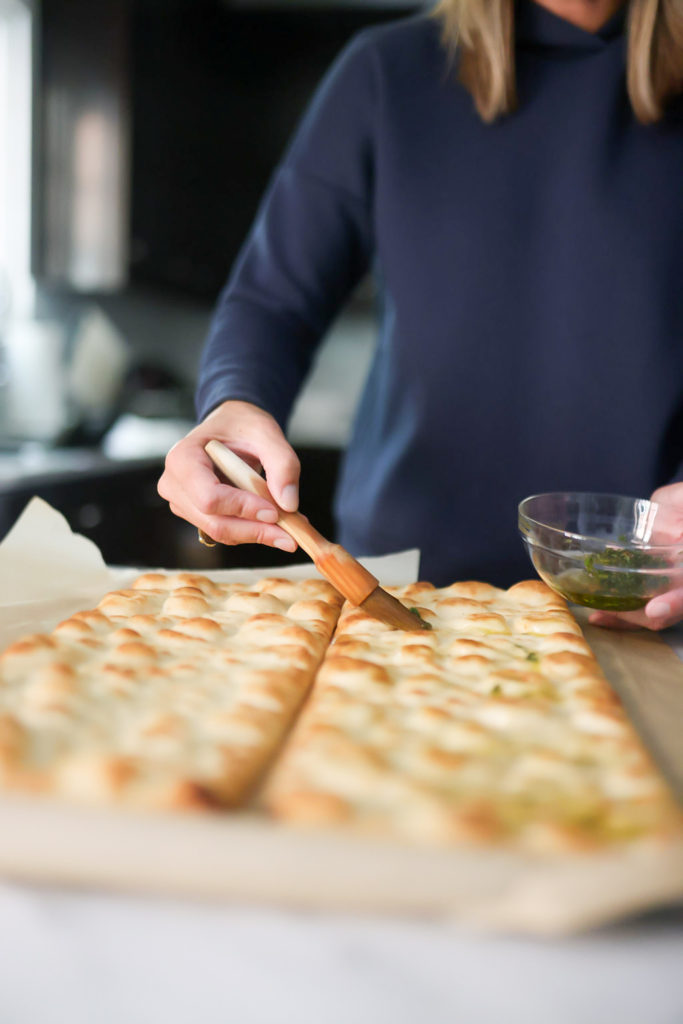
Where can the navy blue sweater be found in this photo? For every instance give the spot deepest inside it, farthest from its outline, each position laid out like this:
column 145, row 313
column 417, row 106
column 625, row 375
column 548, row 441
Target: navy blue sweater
column 531, row 273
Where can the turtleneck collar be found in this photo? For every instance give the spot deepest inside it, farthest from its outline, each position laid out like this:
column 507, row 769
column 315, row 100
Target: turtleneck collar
column 537, row 26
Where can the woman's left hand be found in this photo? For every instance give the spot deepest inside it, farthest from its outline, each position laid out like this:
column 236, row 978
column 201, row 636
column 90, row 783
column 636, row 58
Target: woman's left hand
column 665, row 609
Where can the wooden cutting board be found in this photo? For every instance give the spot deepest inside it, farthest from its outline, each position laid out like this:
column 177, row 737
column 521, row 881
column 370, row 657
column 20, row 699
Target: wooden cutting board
column 648, row 676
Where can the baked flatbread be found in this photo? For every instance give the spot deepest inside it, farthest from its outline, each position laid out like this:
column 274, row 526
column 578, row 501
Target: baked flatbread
column 497, row 726
column 174, row 693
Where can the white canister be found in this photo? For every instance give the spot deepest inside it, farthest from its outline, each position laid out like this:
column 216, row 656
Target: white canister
column 35, row 379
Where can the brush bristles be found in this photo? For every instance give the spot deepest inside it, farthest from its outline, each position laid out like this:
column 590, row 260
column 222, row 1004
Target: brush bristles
column 389, row 610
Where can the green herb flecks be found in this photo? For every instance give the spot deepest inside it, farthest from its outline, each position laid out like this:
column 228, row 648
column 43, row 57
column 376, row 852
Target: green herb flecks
column 620, row 587
column 415, row 611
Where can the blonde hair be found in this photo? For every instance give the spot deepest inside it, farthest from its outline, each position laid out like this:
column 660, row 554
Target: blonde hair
column 484, row 33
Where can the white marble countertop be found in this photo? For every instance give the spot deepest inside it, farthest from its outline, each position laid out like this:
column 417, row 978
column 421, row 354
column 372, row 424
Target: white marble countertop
column 96, row 959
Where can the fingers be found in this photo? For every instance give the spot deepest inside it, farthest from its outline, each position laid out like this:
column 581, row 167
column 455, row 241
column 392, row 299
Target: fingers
column 282, row 470
column 614, row 620
column 665, row 609
column 661, row 612
column 670, row 494
column 257, row 438
column 232, row 530
column 190, row 470
column 229, row 515
column 668, row 525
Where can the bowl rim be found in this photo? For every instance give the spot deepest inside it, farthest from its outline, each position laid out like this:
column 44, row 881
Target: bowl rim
column 676, row 546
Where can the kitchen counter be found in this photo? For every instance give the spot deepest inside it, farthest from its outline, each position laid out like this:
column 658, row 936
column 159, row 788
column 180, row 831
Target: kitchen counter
column 112, row 959
column 35, row 462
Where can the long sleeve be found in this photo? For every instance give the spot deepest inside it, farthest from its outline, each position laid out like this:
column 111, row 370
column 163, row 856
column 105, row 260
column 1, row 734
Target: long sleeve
column 311, row 243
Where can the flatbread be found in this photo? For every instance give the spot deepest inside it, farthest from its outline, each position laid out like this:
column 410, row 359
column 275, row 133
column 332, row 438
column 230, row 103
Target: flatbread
column 171, row 694
column 497, row 726
column 494, row 727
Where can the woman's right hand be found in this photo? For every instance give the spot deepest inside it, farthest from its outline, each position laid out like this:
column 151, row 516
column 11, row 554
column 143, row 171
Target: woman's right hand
column 195, row 491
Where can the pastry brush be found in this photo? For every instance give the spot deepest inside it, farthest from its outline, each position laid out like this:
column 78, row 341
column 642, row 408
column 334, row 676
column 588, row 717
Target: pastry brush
column 333, row 562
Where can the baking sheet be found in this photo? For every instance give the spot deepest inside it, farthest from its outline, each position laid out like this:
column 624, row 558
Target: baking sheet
column 47, row 573
column 244, row 858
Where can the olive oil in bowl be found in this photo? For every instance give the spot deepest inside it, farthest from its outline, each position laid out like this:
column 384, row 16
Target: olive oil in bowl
column 600, row 551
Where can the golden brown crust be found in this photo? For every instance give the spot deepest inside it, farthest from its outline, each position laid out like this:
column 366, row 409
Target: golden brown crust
column 497, row 726
column 311, row 807
column 173, row 693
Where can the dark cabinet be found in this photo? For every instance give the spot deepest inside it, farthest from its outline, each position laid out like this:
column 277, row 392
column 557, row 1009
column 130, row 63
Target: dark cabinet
column 117, row 506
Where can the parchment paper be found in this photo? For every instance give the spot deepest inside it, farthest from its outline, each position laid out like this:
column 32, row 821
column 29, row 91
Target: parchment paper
column 47, row 572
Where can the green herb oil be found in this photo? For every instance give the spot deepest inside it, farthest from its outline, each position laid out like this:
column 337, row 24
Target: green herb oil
column 595, row 586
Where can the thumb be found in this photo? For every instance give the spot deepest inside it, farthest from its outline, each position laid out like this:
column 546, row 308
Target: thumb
column 282, row 469
column 666, row 609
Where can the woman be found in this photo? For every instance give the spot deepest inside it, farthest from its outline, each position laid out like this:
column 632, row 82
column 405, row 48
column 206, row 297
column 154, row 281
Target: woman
column 512, row 171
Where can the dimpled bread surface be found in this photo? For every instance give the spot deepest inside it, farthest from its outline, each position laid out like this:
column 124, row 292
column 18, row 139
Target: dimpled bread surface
column 171, row 694
column 496, row 726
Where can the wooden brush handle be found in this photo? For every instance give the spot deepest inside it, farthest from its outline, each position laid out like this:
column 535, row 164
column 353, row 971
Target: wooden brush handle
column 335, row 563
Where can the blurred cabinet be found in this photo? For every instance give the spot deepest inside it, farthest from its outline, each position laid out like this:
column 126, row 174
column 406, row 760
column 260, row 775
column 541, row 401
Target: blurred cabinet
column 83, row 144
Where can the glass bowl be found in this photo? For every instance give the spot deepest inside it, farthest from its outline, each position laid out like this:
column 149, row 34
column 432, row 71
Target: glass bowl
column 603, row 550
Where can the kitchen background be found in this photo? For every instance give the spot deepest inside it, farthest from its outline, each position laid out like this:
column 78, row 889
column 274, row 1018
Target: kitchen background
column 137, row 137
